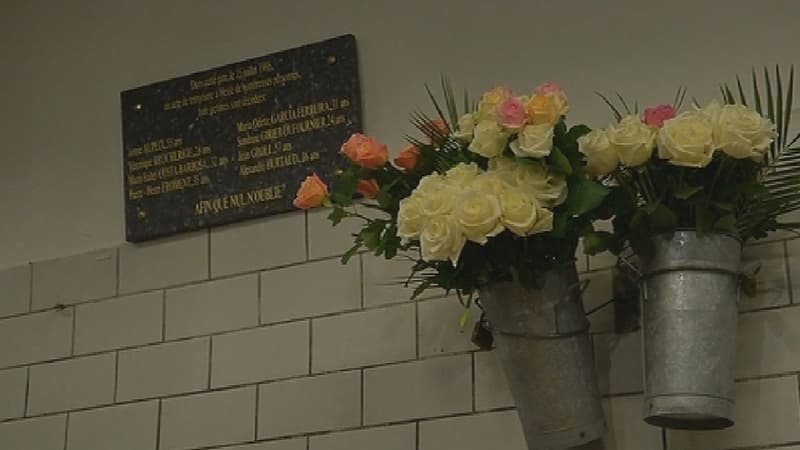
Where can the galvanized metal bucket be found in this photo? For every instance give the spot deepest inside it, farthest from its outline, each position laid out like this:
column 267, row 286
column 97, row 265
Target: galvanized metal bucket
column 690, row 291
column 543, row 342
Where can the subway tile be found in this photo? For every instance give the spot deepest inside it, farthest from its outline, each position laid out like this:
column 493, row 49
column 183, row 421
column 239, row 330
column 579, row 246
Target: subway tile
column 426, row 388
column 208, row 419
column 439, row 326
column 398, row 437
column 793, row 259
column 772, row 283
column 40, row 433
column 125, row 427
column 768, row 343
column 283, row 444
column 491, row 386
column 597, row 292
column 618, row 359
column 309, row 290
column 72, row 384
column 35, row 337
column 119, row 322
column 13, row 387
column 364, row 338
column 15, row 290
column 496, row 430
column 626, row 429
column 74, row 279
column 164, row 262
column 384, row 280
column 325, row 240
column 767, row 412
column 309, row 405
column 267, row 353
column 165, row 369
column 258, row 244
column 211, row 307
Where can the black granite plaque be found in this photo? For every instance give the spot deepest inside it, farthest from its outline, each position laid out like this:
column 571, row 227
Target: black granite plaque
column 235, row 142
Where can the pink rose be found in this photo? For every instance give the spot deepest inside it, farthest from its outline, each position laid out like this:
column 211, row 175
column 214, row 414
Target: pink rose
column 656, row 115
column 511, row 114
column 547, row 88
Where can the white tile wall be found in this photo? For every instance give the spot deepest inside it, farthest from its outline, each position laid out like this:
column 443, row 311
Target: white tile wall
column 132, row 426
column 211, row 307
column 72, row 384
column 74, row 279
column 265, row 351
column 15, row 290
column 325, row 240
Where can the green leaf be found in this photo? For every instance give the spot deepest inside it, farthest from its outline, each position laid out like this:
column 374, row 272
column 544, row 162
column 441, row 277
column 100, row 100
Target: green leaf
column 663, row 218
column 756, row 93
column 560, row 225
column 608, row 102
column 686, row 192
column 560, row 161
column 350, row 252
column 464, row 319
column 371, row 237
column 337, row 215
column 726, row 223
column 584, row 195
column 421, row 288
column 704, row 219
column 596, row 242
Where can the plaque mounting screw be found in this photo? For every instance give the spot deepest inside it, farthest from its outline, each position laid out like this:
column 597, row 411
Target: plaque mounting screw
column 331, row 59
column 141, row 215
column 137, row 106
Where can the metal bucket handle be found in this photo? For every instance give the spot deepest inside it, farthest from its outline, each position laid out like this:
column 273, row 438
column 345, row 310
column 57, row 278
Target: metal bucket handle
column 582, row 285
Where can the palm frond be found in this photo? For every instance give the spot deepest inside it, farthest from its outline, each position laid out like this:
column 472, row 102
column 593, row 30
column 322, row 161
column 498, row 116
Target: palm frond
column 611, row 105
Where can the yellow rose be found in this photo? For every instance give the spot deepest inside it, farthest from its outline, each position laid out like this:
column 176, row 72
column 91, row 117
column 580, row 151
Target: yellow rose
column 601, row 159
column 686, row 140
column 550, row 189
column 519, row 211
column 535, row 141
column 466, row 127
column 545, row 108
column 632, row 140
column 478, row 213
column 442, row 239
column 742, row 133
column 462, row 174
column 409, row 219
column 490, row 139
column 502, row 165
column 487, row 106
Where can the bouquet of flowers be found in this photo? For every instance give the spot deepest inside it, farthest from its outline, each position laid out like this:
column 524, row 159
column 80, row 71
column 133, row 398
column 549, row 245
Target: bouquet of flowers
column 496, row 194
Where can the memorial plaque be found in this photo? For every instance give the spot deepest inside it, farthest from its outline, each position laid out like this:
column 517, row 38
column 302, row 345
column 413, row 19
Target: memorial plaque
column 235, row 142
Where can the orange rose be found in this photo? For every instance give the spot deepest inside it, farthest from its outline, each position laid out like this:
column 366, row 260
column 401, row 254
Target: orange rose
column 543, row 108
column 313, row 191
column 368, row 188
column 366, row 151
column 407, row 159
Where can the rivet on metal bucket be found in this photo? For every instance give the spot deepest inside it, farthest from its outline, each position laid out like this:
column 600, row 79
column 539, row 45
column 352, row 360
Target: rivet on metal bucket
column 690, row 291
column 543, row 342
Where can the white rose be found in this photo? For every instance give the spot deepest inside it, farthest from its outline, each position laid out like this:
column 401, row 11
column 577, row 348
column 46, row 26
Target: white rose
column 478, row 213
column 535, row 141
column 632, row 140
column 519, row 211
column 490, row 183
column 490, row 139
column 601, row 159
column 503, row 165
column 409, row 219
column 550, row 189
column 431, row 183
column 442, row 239
column 438, row 202
column 742, row 133
column 544, row 223
column 466, row 127
column 462, row 174
column 686, row 140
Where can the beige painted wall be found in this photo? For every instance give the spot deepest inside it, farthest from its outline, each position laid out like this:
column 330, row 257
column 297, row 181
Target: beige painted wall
column 64, row 64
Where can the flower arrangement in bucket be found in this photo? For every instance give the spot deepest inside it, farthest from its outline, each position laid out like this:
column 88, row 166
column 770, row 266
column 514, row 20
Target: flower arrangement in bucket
column 491, row 204
column 692, row 187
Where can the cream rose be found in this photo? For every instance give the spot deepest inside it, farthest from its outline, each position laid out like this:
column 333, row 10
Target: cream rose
column 535, row 141
column 686, row 140
column 490, row 139
column 544, row 222
column 519, row 211
column 478, row 213
column 632, row 140
column 601, row 158
column 741, row 132
column 442, row 239
column 409, row 219
column 438, row 202
column 490, row 183
column 550, row 189
column 431, row 183
column 462, row 174
column 466, row 127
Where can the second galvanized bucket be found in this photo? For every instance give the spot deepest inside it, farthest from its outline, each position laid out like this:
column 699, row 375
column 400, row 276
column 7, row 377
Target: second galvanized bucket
column 690, row 291
column 543, row 342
